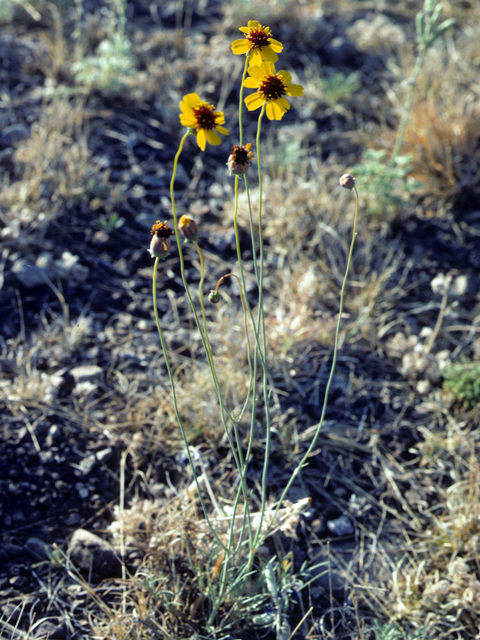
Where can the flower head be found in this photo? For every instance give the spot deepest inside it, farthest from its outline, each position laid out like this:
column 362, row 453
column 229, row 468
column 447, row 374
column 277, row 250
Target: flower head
column 259, row 42
column 188, row 227
column 271, row 88
column 214, row 296
column 160, row 244
column 202, row 117
column 239, row 159
column 347, row 182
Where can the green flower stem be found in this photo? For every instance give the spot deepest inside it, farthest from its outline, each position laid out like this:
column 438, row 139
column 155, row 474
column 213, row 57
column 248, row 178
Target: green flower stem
column 175, row 405
column 303, row 461
column 241, row 461
column 261, row 325
column 223, row 409
column 240, row 102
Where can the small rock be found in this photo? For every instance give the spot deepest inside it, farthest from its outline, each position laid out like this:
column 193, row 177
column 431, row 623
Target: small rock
column 53, row 629
column 13, row 135
column 94, row 555
column 53, row 437
column 86, row 464
column 105, row 455
column 39, row 549
column 86, row 373
column 30, row 276
column 341, row 526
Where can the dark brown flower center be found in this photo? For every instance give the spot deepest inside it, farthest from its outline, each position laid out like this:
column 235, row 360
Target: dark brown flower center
column 161, row 230
column 272, row 88
column 205, row 117
column 240, row 155
column 258, row 38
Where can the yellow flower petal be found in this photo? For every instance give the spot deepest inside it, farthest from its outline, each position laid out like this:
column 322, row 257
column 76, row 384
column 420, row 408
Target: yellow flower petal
column 276, row 108
column 212, row 137
column 256, row 72
column 283, row 103
column 240, row 46
column 295, row 90
column 189, row 101
column 268, row 54
column 254, row 101
column 222, row 130
column 201, row 139
column 188, row 120
column 254, row 24
column 276, row 45
column 285, row 76
column 255, row 57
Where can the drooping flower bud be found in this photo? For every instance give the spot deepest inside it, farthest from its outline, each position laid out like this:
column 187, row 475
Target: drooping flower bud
column 160, row 244
column 347, row 182
column 214, row 296
column 188, row 228
column 239, row 160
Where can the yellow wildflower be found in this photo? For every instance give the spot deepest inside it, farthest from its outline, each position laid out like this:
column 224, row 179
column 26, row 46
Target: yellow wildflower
column 259, row 42
column 271, row 88
column 201, row 116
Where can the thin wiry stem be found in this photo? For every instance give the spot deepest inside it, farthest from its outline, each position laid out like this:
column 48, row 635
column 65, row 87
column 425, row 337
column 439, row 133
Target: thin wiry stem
column 303, row 461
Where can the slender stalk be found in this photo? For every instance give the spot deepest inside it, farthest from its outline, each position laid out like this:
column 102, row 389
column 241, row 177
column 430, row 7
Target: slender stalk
column 175, row 405
column 261, row 325
column 223, row 408
column 240, row 102
column 303, row 461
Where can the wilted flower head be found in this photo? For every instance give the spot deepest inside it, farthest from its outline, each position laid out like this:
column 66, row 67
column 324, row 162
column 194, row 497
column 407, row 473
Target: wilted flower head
column 160, row 244
column 239, row 159
column 259, row 42
column 347, row 181
column 188, row 227
column 202, row 117
column 271, row 87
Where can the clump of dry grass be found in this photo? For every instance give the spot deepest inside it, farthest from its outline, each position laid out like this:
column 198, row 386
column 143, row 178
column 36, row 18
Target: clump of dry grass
column 51, row 167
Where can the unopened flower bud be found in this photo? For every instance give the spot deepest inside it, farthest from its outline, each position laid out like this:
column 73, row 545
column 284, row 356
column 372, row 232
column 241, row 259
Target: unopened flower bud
column 188, row 227
column 239, row 160
column 347, row 182
column 160, row 244
column 214, row 296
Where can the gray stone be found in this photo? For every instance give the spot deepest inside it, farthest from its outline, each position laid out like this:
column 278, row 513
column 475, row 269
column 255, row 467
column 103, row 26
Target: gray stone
column 39, row 549
column 30, row 276
column 86, row 373
column 341, row 526
column 93, row 555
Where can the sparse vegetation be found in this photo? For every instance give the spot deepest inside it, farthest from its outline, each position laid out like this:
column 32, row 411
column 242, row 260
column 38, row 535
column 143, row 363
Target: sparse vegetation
column 387, row 541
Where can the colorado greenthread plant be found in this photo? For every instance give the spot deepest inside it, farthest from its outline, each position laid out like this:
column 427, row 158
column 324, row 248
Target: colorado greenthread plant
column 234, row 545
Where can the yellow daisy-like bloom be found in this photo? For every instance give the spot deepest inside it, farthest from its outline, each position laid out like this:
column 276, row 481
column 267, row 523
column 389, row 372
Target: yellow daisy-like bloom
column 201, row 116
column 271, row 87
column 258, row 40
